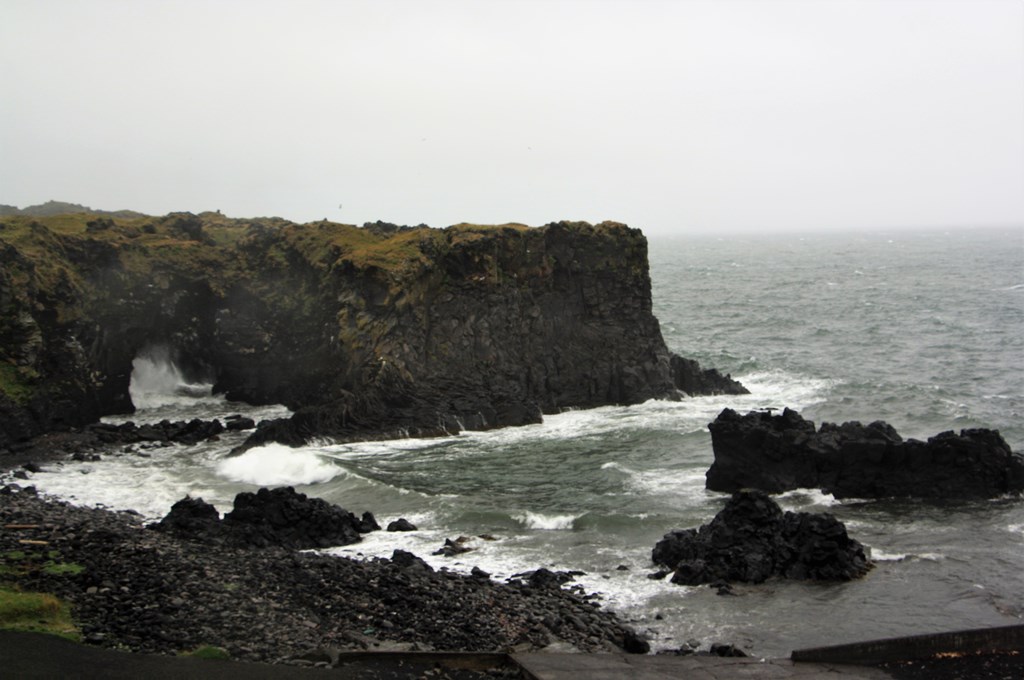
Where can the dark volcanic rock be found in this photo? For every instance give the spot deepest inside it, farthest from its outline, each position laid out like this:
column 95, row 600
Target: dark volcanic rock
column 689, row 377
column 190, row 517
column 362, row 333
column 235, row 423
column 401, row 524
column 777, row 453
column 268, row 517
column 148, row 591
column 751, row 540
column 178, row 432
column 293, row 520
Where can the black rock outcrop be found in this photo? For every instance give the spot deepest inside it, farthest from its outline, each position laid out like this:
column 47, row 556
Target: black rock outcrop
column 777, row 453
column 752, row 540
column 363, row 333
column 269, row 517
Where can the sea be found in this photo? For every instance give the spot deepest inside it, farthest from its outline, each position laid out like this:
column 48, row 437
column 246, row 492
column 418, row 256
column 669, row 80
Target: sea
column 922, row 329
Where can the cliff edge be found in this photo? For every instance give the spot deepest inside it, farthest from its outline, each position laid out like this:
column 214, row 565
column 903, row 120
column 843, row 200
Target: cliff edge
column 362, row 331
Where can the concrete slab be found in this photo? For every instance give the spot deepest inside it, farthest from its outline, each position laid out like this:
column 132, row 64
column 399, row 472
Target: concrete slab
column 634, row 667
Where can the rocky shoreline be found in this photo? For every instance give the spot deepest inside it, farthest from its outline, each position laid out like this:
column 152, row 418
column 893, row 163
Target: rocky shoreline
column 145, row 591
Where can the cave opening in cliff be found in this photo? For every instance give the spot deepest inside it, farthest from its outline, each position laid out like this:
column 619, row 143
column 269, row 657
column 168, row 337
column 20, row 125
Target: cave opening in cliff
column 160, row 377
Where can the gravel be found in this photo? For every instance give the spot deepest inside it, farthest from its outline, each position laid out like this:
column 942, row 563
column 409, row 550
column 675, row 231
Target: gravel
column 146, row 591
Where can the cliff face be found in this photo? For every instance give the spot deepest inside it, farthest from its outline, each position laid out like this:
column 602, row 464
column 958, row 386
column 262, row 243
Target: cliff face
column 362, row 331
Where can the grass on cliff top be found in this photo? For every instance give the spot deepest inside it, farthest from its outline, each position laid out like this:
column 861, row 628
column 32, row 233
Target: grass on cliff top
column 324, row 243
column 36, row 613
column 221, row 249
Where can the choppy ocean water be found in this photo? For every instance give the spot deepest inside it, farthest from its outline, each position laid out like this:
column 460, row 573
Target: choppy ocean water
column 922, row 329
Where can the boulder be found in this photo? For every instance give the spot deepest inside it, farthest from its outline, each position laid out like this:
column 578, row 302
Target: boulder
column 407, row 560
column 190, row 517
column 269, row 517
column 401, row 524
column 752, row 540
column 777, row 453
column 293, row 520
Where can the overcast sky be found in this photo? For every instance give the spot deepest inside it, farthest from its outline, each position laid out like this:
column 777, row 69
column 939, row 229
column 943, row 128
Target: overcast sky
column 679, row 116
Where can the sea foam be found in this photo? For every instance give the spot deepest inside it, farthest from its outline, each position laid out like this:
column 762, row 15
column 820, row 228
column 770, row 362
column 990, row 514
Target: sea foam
column 277, row 465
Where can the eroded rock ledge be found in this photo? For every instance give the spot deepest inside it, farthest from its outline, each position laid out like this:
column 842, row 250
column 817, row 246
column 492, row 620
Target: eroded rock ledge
column 777, row 453
column 363, row 332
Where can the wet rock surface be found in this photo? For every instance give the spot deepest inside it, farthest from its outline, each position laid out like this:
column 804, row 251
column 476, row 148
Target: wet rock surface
column 147, row 591
column 752, row 540
column 777, row 453
column 269, row 517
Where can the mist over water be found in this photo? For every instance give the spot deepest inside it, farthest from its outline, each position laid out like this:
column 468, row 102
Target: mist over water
column 925, row 331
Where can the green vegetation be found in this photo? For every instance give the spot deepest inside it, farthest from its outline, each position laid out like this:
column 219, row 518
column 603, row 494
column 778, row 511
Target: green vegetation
column 19, row 562
column 15, row 382
column 36, row 612
column 63, row 568
column 58, row 251
column 31, row 611
column 209, row 652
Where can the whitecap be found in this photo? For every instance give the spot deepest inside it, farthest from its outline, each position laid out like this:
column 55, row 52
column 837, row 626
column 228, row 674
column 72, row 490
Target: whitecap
column 805, row 498
column 277, row 465
column 879, row 555
column 537, row 520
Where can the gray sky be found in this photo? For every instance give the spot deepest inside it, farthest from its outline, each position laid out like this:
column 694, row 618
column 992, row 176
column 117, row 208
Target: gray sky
column 679, row 116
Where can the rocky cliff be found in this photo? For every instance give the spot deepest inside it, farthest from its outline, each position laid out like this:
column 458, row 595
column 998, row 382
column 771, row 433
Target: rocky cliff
column 363, row 331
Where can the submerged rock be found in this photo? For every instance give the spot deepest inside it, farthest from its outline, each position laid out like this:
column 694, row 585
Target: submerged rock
column 752, row 540
column 777, row 453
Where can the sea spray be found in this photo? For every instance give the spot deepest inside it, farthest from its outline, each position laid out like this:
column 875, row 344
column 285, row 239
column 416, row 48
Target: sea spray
column 275, row 465
column 157, row 381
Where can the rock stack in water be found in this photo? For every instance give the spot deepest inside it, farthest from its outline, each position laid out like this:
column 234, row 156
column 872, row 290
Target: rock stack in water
column 777, row 453
column 751, row 540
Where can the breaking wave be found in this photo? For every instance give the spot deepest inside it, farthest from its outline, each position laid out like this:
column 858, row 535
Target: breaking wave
column 277, row 465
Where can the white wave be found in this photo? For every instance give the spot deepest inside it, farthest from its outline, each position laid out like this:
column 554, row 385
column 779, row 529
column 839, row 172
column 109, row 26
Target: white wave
column 156, row 381
column 786, row 389
column 768, row 389
column 126, row 483
column 1015, row 528
column 879, row 555
column 277, row 465
column 384, row 448
column 661, row 482
column 800, row 499
column 537, row 520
